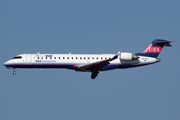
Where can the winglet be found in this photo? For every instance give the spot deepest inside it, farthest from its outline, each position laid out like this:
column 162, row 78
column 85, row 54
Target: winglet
column 118, row 52
column 116, row 56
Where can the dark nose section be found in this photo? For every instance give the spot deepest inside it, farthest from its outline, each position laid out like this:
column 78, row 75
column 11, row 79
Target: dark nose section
column 158, row 60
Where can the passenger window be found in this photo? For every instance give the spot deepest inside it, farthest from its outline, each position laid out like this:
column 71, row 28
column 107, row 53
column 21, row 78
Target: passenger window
column 41, row 57
column 84, row 57
column 72, row 57
column 50, row 57
column 80, row 57
column 92, row 57
column 59, row 57
column 67, row 57
column 97, row 57
column 38, row 57
column 63, row 57
column 76, row 57
column 46, row 57
column 54, row 57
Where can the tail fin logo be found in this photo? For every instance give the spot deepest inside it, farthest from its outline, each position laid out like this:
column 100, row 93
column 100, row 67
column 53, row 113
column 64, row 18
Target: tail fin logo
column 153, row 49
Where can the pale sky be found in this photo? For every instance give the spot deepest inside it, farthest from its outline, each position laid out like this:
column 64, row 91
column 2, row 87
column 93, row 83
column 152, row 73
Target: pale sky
column 97, row 26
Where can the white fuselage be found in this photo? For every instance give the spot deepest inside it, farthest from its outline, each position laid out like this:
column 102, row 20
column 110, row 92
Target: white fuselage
column 93, row 63
column 71, row 61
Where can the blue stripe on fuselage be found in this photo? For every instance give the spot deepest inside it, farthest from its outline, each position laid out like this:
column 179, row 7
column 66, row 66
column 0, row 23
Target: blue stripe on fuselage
column 148, row 54
column 71, row 66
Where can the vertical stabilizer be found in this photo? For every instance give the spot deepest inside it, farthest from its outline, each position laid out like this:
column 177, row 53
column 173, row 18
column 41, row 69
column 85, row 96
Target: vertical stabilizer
column 155, row 48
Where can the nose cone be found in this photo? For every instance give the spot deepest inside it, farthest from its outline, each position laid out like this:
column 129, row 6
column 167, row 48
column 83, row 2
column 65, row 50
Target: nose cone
column 5, row 64
column 158, row 60
column 8, row 64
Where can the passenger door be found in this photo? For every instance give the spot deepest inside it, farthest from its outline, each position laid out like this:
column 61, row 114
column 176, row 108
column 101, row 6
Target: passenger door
column 28, row 59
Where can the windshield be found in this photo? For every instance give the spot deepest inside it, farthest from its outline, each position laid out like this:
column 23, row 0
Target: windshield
column 17, row 57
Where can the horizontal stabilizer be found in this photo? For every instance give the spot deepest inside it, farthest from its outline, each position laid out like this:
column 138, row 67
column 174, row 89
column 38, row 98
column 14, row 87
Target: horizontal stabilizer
column 165, row 42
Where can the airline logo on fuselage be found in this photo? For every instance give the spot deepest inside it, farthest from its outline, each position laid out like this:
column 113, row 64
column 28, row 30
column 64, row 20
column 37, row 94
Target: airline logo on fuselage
column 45, row 61
column 49, row 55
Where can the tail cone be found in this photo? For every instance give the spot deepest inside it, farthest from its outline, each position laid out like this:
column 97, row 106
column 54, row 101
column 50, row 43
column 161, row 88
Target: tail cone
column 158, row 60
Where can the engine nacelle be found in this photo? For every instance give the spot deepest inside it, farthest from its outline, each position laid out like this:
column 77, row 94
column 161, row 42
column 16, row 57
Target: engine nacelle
column 127, row 56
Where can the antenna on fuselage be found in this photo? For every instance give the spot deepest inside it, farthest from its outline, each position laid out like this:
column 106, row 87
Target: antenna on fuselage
column 70, row 53
column 38, row 52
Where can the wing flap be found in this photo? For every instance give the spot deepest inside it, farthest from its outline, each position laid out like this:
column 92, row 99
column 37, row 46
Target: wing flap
column 96, row 65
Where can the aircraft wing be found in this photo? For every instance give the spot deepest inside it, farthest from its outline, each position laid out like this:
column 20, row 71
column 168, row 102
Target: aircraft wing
column 96, row 65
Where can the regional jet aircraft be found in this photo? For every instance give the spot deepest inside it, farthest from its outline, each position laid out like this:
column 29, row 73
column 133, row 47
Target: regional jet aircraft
column 93, row 63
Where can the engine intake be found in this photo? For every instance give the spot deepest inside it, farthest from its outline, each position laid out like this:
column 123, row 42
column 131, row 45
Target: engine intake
column 127, row 56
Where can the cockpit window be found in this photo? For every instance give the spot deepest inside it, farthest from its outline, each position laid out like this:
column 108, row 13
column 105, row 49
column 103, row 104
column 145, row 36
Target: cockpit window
column 17, row 57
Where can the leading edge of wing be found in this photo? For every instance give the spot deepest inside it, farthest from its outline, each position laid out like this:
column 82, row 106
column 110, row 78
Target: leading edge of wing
column 96, row 65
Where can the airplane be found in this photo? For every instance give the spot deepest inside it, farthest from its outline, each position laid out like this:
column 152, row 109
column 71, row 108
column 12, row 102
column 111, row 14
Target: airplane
column 94, row 63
